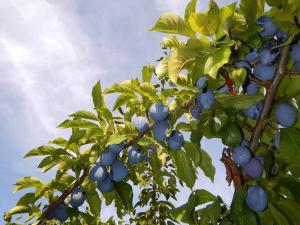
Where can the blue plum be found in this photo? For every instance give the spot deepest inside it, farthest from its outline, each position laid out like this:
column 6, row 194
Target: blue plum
column 50, row 215
column 106, row 185
column 264, row 72
column 269, row 28
column 141, row 123
column 245, row 143
column 160, row 129
column 295, row 52
column 151, row 150
column 206, row 100
column 251, row 56
column 254, row 168
column 241, row 155
column 297, row 65
column 257, row 199
column 201, row 82
column 176, row 140
column 158, row 111
column 134, row 154
column 254, row 111
column 223, row 89
column 285, row 115
column 107, row 158
column 116, row 148
column 97, row 172
column 281, row 36
column 119, row 171
column 77, row 197
column 60, row 213
column 195, row 111
column 252, row 88
column 267, row 55
column 243, row 64
column 277, row 141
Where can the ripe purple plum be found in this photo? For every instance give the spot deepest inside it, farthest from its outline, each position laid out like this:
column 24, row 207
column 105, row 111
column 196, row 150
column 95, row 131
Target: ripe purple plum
column 107, row 158
column 97, row 172
column 60, row 213
column 252, row 88
column 106, row 185
column 141, row 123
column 285, row 115
column 254, row 111
column 257, row 199
column 176, row 140
column 134, row 154
column 206, row 99
column 158, row 111
column 295, row 52
column 254, row 168
column 195, row 111
column 116, row 148
column 160, row 129
column 77, row 197
column 201, row 82
column 269, row 28
column 241, row 155
column 264, row 72
column 119, row 171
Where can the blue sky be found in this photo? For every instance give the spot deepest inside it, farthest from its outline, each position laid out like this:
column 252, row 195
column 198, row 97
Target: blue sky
column 51, row 54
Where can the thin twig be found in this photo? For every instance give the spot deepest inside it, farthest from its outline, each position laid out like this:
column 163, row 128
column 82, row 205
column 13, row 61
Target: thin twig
column 292, row 73
column 259, row 82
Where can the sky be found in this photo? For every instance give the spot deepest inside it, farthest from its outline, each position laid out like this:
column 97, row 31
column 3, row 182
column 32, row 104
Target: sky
column 51, row 54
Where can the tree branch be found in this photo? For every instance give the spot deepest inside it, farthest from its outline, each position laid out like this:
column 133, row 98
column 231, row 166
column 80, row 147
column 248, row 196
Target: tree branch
column 271, row 92
column 292, row 73
column 259, row 82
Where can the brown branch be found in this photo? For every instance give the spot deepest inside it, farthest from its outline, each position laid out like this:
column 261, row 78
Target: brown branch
column 292, row 73
column 268, row 102
column 259, row 82
column 255, row 61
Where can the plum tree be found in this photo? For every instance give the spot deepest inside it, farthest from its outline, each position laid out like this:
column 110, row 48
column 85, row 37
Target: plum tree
column 77, row 197
column 241, row 155
column 158, row 112
column 285, row 115
column 257, row 198
column 160, row 129
column 226, row 79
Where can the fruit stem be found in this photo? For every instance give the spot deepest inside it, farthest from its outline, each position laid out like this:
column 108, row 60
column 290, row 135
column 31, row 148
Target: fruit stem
column 268, row 102
column 292, row 73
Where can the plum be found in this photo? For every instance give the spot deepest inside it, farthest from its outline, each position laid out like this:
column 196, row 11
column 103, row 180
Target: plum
column 245, row 143
column 97, row 172
column 107, row 158
column 134, row 155
column 50, row 215
column 269, row 28
column 119, row 171
column 206, row 99
column 281, row 35
column 257, row 199
column 106, row 185
column 251, row 56
column 60, row 213
column 285, row 115
column 267, row 55
column 158, row 111
column 141, row 123
column 195, row 111
column 241, row 155
column 77, row 197
column 116, row 148
column 223, row 89
column 201, row 82
column 264, row 72
column 254, row 111
column 295, row 52
column 277, row 141
column 176, row 140
column 297, row 65
column 160, row 129
column 252, row 88
column 254, row 168
column 243, row 64
column 151, row 150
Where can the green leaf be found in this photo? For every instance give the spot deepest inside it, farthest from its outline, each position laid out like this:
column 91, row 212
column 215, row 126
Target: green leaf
column 278, row 217
column 290, row 209
column 226, row 14
column 123, row 87
column 252, row 9
column 193, row 152
column 26, row 199
column 115, row 139
column 17, row 210
column 231, row 135
column 156, row 166
column 292, row 184
column 125, row 192
column 27, row 182
column 172, row 23
column 200, row 197
column 206, row 23
column 289, row 86
column 206, row 165
column 94, row 202
column 161, row 69
column 84, row 115
column 185, row 170
column 147, row 73
column 171, row 41
column 45, row 150
column 97, row 96
column 239, row 101
column 289, row 144
column 122, row 99
column 178, row 60
column 216, row 60
column 77, row 124
column 190, row 8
